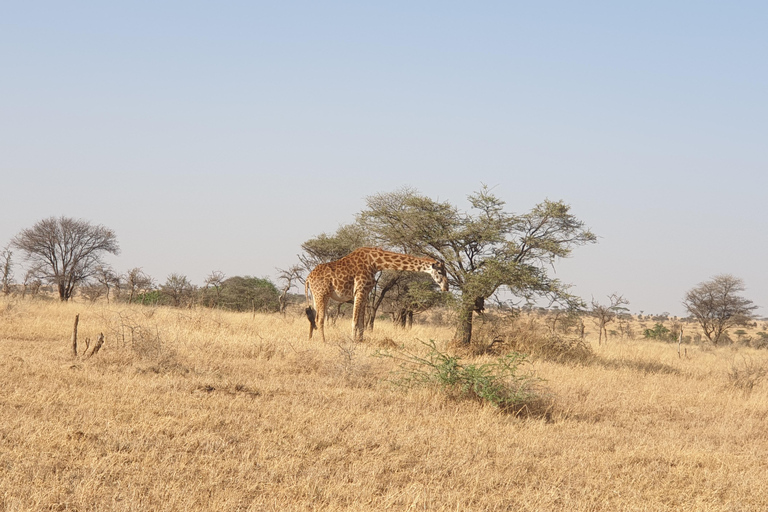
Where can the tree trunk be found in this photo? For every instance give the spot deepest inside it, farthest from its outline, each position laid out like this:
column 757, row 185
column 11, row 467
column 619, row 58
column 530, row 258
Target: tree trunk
column 375, row 300
column 400, row 318
column 463, row 334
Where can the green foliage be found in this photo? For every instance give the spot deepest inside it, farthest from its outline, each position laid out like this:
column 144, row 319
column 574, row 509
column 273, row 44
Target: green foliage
column 177, row 290
column 497, row 383
column 249, row 294
column 410, row 293
column 659, row 332
column 326, row 248
column 485, row 248
column 152, row 297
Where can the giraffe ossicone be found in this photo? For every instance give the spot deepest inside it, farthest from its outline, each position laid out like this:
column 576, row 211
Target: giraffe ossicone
column 352, row 277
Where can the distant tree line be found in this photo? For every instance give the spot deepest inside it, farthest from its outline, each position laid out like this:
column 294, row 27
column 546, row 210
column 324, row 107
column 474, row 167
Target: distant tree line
column 66, row 256
column 485, row 249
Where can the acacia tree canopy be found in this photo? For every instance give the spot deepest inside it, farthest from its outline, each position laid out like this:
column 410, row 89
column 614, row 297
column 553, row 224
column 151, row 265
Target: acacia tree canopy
column 485, row 248
column 717, row 305
column 66, row 251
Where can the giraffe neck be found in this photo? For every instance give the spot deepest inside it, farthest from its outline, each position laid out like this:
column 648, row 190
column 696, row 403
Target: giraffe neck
column 386, row 260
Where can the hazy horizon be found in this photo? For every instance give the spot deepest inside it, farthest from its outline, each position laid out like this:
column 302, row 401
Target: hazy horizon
column 221, row 137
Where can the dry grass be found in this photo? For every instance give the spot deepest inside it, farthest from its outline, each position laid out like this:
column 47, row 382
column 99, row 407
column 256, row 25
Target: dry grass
column 205, row 410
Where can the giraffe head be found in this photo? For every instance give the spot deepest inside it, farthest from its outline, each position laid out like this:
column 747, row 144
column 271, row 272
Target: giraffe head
column 437, row 271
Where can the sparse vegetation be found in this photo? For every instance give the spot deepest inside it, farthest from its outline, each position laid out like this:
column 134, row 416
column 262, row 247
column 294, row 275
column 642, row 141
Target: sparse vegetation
column 658, row 332
column 498, row 382
column 745, row 373
column 201, row 409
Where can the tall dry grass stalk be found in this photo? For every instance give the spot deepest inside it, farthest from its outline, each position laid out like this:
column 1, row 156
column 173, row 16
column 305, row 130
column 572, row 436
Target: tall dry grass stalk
column 209, row 410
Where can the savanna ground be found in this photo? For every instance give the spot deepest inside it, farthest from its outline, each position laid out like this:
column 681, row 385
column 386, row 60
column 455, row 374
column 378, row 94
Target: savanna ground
column 207, row 410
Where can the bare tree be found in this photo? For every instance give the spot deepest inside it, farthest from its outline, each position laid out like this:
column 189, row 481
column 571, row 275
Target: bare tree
column 66, row 251
column 717, row 305
column 91, row 291
column 137, row 282
column 289, row 278
column 6, row 269
column 31, row 283
column 606, row 314
column 107, row 278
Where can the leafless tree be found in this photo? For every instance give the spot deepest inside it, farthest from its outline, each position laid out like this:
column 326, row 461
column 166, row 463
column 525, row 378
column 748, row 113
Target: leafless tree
column 107, row 278
column 137, row 282
column 717, row 305
column 31, row 283
column 6, row 269
column 66, row 251
column 605, row 314
column 91, row 291
column 289, row 278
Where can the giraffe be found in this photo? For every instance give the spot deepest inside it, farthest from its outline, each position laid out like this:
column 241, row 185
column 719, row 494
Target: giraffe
column 352, row 278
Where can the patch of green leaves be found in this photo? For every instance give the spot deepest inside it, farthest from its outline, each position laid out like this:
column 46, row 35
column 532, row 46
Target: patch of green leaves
column 499, row 383
column 659, row 332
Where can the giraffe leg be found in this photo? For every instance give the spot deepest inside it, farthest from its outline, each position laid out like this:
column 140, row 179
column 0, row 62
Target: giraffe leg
column 321, row 305
column 358, row 317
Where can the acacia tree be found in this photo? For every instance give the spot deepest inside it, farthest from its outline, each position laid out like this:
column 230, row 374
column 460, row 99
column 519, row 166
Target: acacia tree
column 246, row 293
column 413, row 293
column 66, row 251
column 325, row 248
column 294, row 274
column 214, row 282
column 137, row 282
column 107, row 279
column 717, row 305
column 177, row 289
column 605, row 314
column 485, row 248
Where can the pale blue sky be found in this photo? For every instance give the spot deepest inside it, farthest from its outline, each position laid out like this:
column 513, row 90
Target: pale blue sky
column 220, row 136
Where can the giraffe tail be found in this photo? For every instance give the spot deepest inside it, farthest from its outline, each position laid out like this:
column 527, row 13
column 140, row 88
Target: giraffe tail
column 311, row 316
column 311, row 313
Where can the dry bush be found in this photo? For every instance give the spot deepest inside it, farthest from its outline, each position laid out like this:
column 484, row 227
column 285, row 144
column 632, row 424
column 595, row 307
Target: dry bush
column 529, row 336
column 641, row 365
column 745, row 373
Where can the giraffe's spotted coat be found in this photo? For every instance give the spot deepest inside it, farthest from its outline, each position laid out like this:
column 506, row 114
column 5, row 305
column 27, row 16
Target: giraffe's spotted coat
column 352, row 277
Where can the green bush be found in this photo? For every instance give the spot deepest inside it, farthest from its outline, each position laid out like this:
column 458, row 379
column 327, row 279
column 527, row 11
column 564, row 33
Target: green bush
column 497, row 383
column 249, row 294
column 151, row 297
column 659, row 332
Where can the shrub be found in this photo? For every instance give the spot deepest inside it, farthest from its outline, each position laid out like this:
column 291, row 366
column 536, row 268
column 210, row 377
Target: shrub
column 249, row 294
column 532, row 339
column 761, row 341
column 497, row 383
column 746, row 374
column 659, row 332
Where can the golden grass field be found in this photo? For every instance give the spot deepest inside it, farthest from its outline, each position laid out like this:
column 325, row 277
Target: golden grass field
column 200, row 409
